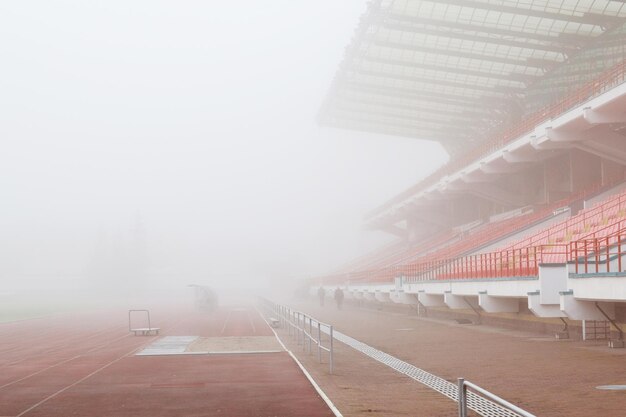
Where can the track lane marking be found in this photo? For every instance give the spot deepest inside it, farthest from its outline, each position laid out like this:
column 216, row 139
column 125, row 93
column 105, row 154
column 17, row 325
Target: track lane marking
column 250, row 320
column 70, row 359
column 131, row 352
column 226, row 321
column 61, row 363
column 31, row 408
column 61, row 346
column 306, row 373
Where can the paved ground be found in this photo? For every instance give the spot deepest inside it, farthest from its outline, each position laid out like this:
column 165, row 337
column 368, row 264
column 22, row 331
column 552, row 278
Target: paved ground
column 70, row 365
column 538, row 373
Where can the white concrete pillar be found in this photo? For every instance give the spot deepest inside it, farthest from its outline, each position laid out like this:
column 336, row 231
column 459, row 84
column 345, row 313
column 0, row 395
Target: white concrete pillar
column 583, row 309
column 459, row 302
column 552, row 280
column 430, row 300
column 406, row 298
column 383, row 297
column 543, row 310
column 369, row 296
column 492, row 304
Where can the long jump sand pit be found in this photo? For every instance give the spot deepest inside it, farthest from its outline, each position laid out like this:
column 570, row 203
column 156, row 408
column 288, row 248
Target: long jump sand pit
column 241, row 344
column 545, row 376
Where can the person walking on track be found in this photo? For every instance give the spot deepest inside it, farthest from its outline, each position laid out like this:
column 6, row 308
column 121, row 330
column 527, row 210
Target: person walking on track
column 339, row 297
column 321, row 293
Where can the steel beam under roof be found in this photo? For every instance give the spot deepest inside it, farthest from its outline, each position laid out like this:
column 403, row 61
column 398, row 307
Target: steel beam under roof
column 485, row 57
column 457, row 56
column 392, row 121
column 421, row 106
column 582, row 18
column 496, row 89
column 550, row 43
column 522, row 78
column 390, row 20
column 413, row 93
column 448, row 118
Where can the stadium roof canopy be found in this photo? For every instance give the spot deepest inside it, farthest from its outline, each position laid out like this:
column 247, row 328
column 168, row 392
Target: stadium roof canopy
column 452, row 70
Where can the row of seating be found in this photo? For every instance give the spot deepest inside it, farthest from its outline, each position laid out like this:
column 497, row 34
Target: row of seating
column 584, row 224
column 391, row 261
column 446, row 255
column 587, row 233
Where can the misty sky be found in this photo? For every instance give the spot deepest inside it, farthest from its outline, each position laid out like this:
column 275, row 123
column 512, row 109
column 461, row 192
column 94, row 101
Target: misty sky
column 194, row 122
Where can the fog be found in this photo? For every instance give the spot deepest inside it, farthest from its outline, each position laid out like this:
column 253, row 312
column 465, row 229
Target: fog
column 153, row 144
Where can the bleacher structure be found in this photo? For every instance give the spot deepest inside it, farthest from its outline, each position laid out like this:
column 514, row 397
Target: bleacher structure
column 529, row 99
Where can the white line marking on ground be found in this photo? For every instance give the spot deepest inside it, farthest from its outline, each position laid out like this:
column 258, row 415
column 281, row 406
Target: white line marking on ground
column 250, row 320
column 75, row 383
column 319, row 390
column 62, row 362
column 91, row 374
column 225, row 322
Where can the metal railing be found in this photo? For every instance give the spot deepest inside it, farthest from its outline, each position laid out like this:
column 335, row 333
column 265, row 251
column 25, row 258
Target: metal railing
column 600, row 254
column 307, row 331
column 463, row 385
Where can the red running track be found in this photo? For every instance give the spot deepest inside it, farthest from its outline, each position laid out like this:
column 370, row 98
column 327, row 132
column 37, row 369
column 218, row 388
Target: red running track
column 63, row 366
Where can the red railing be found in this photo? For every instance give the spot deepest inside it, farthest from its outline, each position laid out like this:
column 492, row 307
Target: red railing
column 600, row 252
column 612, row 77
column 522, row 262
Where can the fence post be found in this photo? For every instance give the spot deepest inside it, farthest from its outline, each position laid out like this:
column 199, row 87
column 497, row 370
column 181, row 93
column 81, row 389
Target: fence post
column 608, row 255
column 301, row 327
column 310, row 336
column 619, row 251
column 330, row 353
column 462, row 391
column 319, row 342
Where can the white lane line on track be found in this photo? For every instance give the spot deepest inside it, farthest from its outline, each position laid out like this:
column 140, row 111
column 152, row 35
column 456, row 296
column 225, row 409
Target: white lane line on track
column 75, row 383
column 317, row 388
column 62, row 362
column 226, row 322
column 251, row 321
column 61, row 346
column 69, row 359
column 91, row 374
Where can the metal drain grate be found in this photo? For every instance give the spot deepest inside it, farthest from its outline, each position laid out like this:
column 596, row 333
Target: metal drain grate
column 475, row 402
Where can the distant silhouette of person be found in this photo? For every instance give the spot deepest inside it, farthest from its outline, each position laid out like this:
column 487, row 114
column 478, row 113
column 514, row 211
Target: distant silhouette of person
column 205, row 298
column 321, row 293
column 339, row 297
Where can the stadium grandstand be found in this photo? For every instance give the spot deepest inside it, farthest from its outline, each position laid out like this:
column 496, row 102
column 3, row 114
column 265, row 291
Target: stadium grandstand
column 529, row 214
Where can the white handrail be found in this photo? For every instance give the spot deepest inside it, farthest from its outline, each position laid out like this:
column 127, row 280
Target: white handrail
column 306, row 330
column 463, row 385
